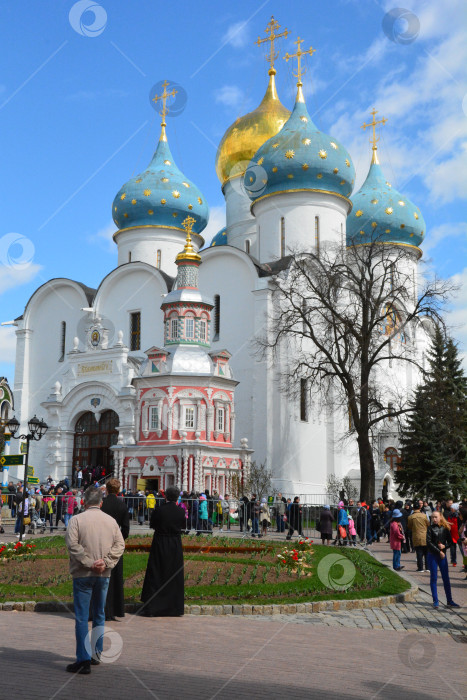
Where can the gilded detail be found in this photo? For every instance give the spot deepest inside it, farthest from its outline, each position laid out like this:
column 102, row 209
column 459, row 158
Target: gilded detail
column 335, row 171
column 163, row 201
column 200, row 201
column 319, row 176
column 305, row 166
column 123, row 196
column 176, row 194
column 289, row 154
column 306, row 142
column 322, row 154
column 261, row 161
column 185, row 184
column 415, row 214
column 359, row 213
column 147, row 193
column 133, row 201
column 274, row 170
column 388, row 210
column 374, row 224
column 150, row 212
column 347, row 162
column 334, row 145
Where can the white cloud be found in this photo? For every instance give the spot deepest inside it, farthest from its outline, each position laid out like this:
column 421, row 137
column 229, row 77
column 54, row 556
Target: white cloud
column 216, row 222
column 237, row 35
column 14, row 276
column 441, row 233
column 457, row 316
column 7, row 344
column 104, row 239
column 231, row 96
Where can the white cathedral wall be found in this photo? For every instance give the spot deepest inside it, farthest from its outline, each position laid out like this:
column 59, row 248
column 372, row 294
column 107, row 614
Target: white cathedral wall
column 240, row 223
column 144, row 243
column 300, row 212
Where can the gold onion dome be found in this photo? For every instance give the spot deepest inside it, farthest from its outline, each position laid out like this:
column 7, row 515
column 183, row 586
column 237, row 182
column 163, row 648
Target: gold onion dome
column 243, row 138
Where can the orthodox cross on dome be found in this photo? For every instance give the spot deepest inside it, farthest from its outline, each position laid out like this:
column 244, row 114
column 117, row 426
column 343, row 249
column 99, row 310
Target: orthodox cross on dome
column 164, row 97
column 189, row 252
column 374, row 139
column 301, row 70
column 270, row 30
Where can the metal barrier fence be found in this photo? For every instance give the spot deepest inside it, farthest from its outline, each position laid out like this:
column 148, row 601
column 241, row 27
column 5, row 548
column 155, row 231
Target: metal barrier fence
column 232, row 516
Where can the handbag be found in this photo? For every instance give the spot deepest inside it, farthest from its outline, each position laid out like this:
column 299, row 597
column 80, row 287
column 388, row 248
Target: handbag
column 27, row 520
column 342, row 532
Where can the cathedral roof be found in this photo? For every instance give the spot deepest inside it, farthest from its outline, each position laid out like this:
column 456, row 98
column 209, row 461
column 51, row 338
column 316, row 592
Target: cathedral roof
column 220, row 238
column 381, row 212
column 300, row 157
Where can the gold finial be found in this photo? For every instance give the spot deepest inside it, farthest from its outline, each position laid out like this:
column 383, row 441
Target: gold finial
column 165, row 95
column 374, row 140
column 271, row 28
column 301, row 70
column 189, row 252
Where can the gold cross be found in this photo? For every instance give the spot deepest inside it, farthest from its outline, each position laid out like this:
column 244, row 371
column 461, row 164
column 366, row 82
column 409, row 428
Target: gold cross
column 164, row 97
column 374, row 124
column 272, row 26
column 188, row 224
column 298, row 55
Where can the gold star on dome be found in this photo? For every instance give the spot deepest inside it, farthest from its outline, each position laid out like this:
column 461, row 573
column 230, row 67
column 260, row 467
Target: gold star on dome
column 335, row 171
column 305, row 166
column 123, row 196
column 133, row 201
column 190, row 206
column 334, row 145
column 347, row 162
column 303, row 118
column 362, row 233
column 125, row 215
column 359, row 213
column 401, row 203
column 175, row 214
column 164, row 179
column 274, row 170
column 322, row 154
column 260, row 161
column 167, row 162
column 163, row 201
column 388, row 184
column 150, row 212
column 275, row 145
column 115, row 208
column 374, row 201
column 388, row 230
column 289, row 154
column 185, row 184
column 319, row 176
column 176, row 194
column 306, row 142
column 139, row 180
column 374, row 224
column 147, row 193
column 388, row 210
column 200, row 201
column 415, row 214
column 342, row 182
column 290, row 176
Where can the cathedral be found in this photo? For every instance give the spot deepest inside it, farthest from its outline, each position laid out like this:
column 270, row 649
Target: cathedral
column 154, row 375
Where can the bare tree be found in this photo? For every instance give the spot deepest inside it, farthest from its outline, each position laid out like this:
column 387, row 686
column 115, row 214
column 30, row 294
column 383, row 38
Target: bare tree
column 343, row 317
column 258, row 480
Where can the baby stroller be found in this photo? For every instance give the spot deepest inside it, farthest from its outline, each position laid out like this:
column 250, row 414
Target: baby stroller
column 36, row 523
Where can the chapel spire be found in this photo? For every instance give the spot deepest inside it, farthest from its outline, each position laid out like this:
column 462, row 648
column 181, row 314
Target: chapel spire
column 301, row 70
column 374, row 139
column 164, row 97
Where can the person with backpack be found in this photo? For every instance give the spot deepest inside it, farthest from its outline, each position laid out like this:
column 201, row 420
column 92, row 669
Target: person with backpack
column 342, row 525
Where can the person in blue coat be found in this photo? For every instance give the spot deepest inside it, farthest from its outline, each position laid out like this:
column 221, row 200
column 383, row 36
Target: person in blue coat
column 342, row 521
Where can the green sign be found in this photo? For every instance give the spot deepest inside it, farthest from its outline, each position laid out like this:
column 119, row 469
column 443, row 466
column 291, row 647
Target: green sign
column 30, row 470
column 23, row 447
column 33, row 480
column 11, row 460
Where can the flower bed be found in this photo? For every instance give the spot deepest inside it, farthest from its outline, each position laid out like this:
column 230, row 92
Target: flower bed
column 21, row 550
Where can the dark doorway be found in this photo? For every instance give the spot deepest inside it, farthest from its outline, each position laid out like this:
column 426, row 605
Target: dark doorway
column 93, row 439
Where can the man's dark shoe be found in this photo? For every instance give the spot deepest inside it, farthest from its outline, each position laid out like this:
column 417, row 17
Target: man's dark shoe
column 96, row 661
column 82, row 667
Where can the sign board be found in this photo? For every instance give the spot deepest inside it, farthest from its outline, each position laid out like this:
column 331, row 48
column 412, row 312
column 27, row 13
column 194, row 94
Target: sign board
column 11, row 460
column 30, row 470
column 23, row 448
column 103, row 367
column 34, row 480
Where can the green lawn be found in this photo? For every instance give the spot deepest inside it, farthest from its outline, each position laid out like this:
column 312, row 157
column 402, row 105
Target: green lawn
column 254, row 577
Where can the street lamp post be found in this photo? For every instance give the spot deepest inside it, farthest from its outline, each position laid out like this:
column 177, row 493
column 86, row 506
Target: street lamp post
column 37, row 429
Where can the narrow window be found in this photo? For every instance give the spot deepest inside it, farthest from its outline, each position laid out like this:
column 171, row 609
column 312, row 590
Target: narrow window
column 304, row 311
column 282, row 236
column 158, row 259
column 220, row 419
column 129, row 256
column 303, row 400
column 154, row 418
column 189, row 327
column 317, row 234
column 247, row 246
column 202, row 330
column 135, row 330
column 62, row 340
column 189, row 418
column 174, row 328
column 342, row 236
column 217, row 316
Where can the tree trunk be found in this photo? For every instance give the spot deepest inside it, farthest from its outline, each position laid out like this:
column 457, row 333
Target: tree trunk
column 367, row 468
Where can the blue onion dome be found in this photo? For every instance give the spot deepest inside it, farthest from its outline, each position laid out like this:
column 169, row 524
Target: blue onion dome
column 160, row 196
column 220, row 238
column 381, row 212
column 300, row 157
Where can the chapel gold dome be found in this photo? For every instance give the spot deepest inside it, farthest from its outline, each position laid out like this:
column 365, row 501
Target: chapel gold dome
column 243, row 138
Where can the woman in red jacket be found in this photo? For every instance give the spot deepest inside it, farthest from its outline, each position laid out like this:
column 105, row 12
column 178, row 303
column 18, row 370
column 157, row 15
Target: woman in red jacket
column 396, row 537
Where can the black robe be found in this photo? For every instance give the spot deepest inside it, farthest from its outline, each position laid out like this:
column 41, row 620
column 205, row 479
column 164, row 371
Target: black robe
column 163, row 591
column 115, row 602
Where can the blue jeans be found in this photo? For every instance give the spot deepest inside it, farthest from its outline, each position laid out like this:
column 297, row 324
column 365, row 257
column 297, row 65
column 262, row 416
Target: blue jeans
column 66, row 518
column 85, row 589
column 434, row 560
column 255, row 526
column 396, row 559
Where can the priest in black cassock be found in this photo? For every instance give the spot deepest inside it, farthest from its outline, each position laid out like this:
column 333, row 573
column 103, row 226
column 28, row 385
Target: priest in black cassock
column 163, row 591
column 117, row 508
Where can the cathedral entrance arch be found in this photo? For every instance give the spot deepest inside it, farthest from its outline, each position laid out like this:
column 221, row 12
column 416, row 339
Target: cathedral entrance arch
column 92, row 441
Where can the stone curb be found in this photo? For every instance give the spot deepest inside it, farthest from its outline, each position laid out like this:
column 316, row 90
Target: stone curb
column 286, row 609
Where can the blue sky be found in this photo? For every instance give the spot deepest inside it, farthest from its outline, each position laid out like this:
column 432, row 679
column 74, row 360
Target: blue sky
column 77, row 121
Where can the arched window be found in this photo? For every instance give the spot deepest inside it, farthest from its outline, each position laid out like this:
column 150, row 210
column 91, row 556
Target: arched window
column 203, row 329
column 282, row 236
column 304, row 399
column 317, row 234
column 62, row 340
column 392, row 458
column 189, row 327
column 174, row 327
column 159, row 259
column 217, row 316
column 135, row 330
column 247, row 246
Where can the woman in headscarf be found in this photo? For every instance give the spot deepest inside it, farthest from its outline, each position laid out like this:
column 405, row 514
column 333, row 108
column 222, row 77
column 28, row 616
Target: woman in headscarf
column 325, row 525
column 265, row 517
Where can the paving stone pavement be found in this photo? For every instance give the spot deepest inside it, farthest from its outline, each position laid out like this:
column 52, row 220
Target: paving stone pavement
column 207, row 658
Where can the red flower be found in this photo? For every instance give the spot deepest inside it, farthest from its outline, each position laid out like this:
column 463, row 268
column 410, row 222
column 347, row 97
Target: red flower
column 283, row 561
